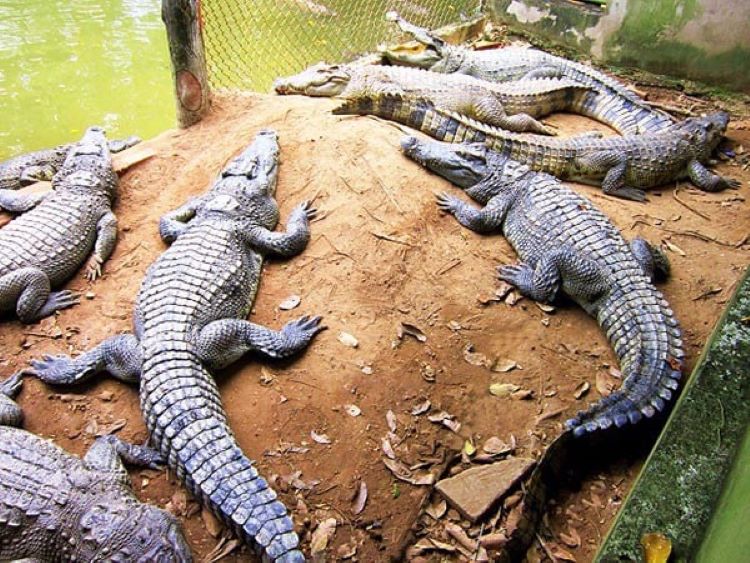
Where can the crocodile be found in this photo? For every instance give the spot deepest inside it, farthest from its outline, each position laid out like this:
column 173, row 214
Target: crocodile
column 45, row 246
column 511, row 106
column 55, row 506
column 189, row 318
column 621, row 165
column 37, row 166
column 609, row 101
column 566, row 245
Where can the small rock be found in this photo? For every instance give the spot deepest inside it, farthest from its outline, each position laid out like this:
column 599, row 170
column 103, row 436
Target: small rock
column 474, row 491
column 348, row 340
column 290, row 303
column 90, row 295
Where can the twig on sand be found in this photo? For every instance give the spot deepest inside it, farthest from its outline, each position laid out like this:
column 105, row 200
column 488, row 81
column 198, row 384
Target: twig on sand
column 684, row 204
column 390, row 239
column 672, row 109
column 382, row 186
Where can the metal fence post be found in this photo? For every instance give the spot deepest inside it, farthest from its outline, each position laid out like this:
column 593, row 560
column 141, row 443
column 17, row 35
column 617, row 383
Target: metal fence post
column 192, row 93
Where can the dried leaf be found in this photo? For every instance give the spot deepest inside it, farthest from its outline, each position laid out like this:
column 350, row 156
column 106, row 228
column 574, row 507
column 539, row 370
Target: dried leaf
column 446, row 419
column 503, row 389
column 581, row 390
column 503, row 365
column 322, row 535
column 224, row 547
column 503, row 289
column 390, row 418
column 437, row 509
column 213, row 525
column 522, row 395
column 452, row 425
column 656, row 548
column 469, row 448
column 605, row 383
column 353, row 410
column 319, row 438
column 560, row 553
column 346, row 551
column 573, row 539
column 402, row 472
column 348, row 340
column 411, row 330
column 361, row 499
column 290, row 303
column 512, row 298
column 475, row 358
column 421, row 408
column 111, row 428
column 545, row 307
column 495, row 446
column 266, row 377
column 387, row 448
column 673, row 247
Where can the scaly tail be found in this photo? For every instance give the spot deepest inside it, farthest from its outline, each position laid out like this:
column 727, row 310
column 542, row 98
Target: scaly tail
column 188, row 425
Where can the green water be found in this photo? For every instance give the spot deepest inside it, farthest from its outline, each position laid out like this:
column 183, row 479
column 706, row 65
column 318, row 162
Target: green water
column 65, row 65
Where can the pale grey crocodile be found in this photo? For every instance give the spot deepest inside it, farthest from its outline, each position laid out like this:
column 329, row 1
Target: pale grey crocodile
column 55, row 506
column 189, row 318
column 45, row 246
column 609, row 101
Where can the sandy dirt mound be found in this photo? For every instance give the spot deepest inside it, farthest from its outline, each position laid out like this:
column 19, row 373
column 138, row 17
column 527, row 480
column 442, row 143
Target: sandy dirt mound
column 382, row 255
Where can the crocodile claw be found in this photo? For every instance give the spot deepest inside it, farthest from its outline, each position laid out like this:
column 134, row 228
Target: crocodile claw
column 52, row 369
column 515, row 274
column 626, row 192
column 11, row 386
column 306, row 209
column 94, row 268
column 448, row 203
column 729, row 183
column 303, row 329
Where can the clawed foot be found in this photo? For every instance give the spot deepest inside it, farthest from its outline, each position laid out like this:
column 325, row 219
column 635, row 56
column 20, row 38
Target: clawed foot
column 53, row 369
column 448, row 203
column 94, row 268
column 518, row 275
column 626, row 192
column 727, row 183
column 301, row 331
column 11, row 386
column 58, row 300
column 305, row 209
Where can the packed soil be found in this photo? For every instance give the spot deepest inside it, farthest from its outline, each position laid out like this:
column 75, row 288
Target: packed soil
column 382, row 262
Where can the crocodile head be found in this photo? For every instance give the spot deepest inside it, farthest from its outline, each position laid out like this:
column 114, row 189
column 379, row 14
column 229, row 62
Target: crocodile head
column 482, row 172
column 88, row 166
column 436, row 54
column 120, row 530
column 318, row 80
column 247, row 185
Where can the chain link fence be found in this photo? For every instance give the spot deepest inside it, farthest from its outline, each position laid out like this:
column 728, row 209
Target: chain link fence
column 249, row 43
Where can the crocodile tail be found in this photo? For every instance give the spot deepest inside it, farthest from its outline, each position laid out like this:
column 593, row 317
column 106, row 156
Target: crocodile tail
column 188, row 425
column 647, row 339
column 418, row 113
column 620, row 113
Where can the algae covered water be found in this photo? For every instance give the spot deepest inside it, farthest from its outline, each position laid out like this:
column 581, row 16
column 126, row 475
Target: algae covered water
column 67, row 65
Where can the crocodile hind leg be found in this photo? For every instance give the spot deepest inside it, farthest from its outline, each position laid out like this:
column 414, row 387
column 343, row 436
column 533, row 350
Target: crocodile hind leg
column 10, row 413
column 489, row 110
column 654, row 262
column 707, row 180
column 28, row 289
column 487, row 219
column 542, row 72
column 36, row 173
column 613, row 165
column 224, row 341
column 120, row 356
column 580, row 276
column 15, row 202
column 107, row 454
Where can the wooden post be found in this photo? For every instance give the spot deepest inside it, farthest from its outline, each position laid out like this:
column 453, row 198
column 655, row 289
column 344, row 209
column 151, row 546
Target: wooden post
column 192, row 94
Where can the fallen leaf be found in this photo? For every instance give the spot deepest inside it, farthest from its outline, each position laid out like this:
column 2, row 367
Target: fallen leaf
column 402, row 472
column 503, row 389
column 656, row 548
column 322, row 535
column 476, row 358
column 346, row 551
column 573, row 539
column 437, row 509
column 581, row 390
column 421, row 408
column 512, row 298
column 348, row 340
column 266, row 377
column 503, row 289
column 605, row 383
column 353, row 410
column 495, row 446
column 178, row 503
column 361, row 499
column 455, row 326
column 387, row 448
column 446, row 419
column 469, row 448
column 290, row 303
column 223, row 547
column 522, row 394
column 545, row 307
column 411, row 330
column 319, row 438
column 213, row 525
column 390, row 418
column 111, row 428
column 560, row 553
column 673, row 247
column 504, row 365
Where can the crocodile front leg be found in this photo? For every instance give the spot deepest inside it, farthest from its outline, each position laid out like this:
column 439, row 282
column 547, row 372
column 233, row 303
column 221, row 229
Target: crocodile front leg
column 120, row 356
column 106, row 237
column 107, row 454
column 15, row 202
column 706, row 180
column 582, row 277
column 174, row 223
column 290, row 243
column 224, row 341
column 28, row 289
column 489, row 218
column 614, row 165
column 10, row 413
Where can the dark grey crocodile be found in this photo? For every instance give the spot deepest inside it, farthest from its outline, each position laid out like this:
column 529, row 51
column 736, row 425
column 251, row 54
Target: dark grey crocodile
column 512, row 106
column 37, row 166
column 58, row 507
column 608, row 101
column 566, row 245
column 45, row 246
column 189, row 318
column 622, row 165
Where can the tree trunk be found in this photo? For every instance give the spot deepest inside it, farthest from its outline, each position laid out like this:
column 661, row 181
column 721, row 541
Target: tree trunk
column 192, row 94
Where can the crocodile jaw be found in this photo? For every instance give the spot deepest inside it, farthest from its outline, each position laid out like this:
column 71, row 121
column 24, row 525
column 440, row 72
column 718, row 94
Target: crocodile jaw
column 461, row 164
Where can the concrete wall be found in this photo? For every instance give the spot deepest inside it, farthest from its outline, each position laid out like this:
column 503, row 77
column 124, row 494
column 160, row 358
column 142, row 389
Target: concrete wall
column 705, row 40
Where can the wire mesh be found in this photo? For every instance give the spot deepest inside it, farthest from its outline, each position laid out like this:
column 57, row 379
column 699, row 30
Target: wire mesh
column 250, row 42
